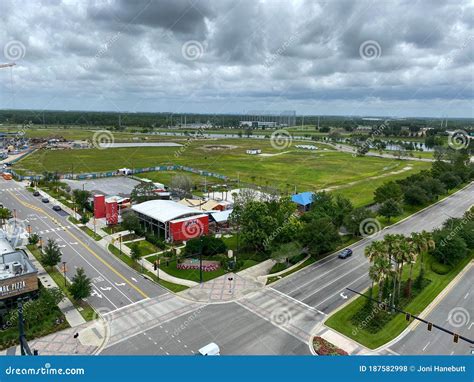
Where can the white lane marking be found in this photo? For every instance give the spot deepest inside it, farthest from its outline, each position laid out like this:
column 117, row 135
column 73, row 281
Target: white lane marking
column 297, row 301
column 343, row 295
column 467, row 294
column 332, row 282
column 105, row 288
column 331, row 296
column 120, row 284
column 426, row 345
column 96, row 293
column 134, row 279
column 100, row 273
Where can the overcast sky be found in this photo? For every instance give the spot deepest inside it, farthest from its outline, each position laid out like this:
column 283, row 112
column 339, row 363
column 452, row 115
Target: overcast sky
column 392, row 58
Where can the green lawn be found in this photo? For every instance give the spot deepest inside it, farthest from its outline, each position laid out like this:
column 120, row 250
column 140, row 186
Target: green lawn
column 127, row 260
column 288, row 169
column 91, row 233
column 83, row 307
column 146, row 248
column 307, row 262
column 342, row 320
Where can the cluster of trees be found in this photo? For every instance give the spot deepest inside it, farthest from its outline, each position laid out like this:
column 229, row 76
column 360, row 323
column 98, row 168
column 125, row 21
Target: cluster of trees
column 455, row 240
column 389, row 256
column 424, row 187
column 264, row 224
column 267, row 226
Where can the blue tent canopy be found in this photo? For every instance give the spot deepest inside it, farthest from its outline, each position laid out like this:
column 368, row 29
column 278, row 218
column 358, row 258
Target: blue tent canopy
column 303, row 198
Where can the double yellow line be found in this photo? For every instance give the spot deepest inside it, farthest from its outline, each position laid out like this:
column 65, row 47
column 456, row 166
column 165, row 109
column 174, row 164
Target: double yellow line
column 28, row 205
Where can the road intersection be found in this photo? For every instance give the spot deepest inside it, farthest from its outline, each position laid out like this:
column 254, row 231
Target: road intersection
column 144, row 318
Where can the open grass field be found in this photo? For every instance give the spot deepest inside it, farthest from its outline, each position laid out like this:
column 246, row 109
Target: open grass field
column 341, row 320
column 287, row 169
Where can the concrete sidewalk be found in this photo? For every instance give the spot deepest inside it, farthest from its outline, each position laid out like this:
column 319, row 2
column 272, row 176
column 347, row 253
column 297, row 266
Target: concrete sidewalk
column 72, row 315
column 91, row 337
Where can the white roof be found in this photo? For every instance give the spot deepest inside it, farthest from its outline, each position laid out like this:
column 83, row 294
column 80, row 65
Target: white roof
column 164, row 210
column 221, row 216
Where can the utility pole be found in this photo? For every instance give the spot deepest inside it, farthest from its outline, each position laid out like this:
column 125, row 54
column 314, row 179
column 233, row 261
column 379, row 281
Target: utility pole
column 64, row 272
column 200, row 260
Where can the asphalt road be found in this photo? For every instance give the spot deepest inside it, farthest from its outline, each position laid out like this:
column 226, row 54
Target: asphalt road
column 114, row 284
column 236, row 330
column 322, row 285
column 455, row 312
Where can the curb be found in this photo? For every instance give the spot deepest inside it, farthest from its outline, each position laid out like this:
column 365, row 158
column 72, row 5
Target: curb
column 440, row 297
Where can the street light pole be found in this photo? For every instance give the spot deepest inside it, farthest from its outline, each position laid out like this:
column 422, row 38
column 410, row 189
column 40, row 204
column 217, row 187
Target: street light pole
column 200, row 260
column 64, row 272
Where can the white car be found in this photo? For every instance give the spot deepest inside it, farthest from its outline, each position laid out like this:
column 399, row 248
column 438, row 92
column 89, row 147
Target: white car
column 210, row 349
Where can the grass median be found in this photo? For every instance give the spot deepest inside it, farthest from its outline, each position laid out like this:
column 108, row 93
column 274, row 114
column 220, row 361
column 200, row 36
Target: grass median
column 344, row 320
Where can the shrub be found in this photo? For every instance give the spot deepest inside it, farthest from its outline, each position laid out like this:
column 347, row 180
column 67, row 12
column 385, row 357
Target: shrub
column 278, row 267
column 323, row 347
column 210, row 246
column 296, row 259
column 440, row 269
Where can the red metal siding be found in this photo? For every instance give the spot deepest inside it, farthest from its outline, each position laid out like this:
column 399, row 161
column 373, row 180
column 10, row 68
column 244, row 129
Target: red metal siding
column 111, row 213
column 189, row 229
column 99, row 206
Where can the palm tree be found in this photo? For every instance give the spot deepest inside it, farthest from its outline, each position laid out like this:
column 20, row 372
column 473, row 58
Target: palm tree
column 421, row 242
column 375, row 250
column 405, row 255
column 380, row 270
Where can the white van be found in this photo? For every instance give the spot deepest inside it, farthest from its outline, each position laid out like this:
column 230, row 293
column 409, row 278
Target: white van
column 210, row 349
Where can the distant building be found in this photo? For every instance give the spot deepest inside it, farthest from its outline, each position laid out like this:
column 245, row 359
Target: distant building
column 18, row 276
column 254, row 151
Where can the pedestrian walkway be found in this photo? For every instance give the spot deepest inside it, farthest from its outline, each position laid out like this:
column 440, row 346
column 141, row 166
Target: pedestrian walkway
column 72, row 315
column 86, row 339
